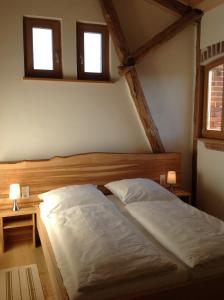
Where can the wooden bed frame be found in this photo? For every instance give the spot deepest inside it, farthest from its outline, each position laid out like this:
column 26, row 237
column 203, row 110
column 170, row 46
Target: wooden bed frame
column 99, row 168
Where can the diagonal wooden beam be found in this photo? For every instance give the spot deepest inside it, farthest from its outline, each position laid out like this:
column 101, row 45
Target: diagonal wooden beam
column 131, row 75
column 140, row 101
column 116, row 32
column 175, row 6
column 192, row 16
column 123, row 70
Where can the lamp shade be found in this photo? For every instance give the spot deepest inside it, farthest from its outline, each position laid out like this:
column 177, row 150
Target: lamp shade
column 14, row 191
column 171, row 177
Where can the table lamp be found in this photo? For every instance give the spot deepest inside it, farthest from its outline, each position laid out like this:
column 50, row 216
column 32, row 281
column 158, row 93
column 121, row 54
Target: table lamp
column 171, row 179
column 14, row 194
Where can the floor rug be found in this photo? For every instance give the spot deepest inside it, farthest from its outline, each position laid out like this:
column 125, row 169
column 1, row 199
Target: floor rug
column 21, row 283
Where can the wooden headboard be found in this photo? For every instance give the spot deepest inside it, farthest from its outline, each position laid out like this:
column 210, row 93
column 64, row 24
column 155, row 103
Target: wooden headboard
column 97, row 168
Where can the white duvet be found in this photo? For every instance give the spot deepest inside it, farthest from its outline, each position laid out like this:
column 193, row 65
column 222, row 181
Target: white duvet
column 101, row 247
column 192, row 235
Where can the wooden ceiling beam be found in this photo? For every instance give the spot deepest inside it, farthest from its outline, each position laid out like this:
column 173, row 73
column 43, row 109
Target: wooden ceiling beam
column 131, row 76
column 124, row 69
column 192, row 16
column 145, row 115
column 116, row 32
column 175, row 6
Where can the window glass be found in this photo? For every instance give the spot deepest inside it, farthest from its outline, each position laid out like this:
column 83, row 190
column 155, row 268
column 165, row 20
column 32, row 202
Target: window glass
column 42, row 49
column 215, row 98
column 92, row 52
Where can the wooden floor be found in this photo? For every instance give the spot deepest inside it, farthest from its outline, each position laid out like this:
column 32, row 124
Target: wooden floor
column 24, row 253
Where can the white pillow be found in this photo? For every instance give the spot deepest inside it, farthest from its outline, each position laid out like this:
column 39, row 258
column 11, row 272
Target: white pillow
column 63, row 198
column 138, row 189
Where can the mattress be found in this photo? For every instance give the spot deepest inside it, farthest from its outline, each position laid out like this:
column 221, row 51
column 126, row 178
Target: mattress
column 155, row 283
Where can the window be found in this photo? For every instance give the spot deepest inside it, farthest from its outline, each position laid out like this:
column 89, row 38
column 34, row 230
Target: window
column 42, row 48
column 213, row 117
column 92, row 51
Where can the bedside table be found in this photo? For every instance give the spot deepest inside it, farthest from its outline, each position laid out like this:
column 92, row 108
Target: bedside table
column 183, row 195
column 17, row 226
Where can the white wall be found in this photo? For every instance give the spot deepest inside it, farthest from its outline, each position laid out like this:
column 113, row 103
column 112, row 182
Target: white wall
column 212, row 27
column 210, row 180
column 210, row 162
column 166, row 73
column 40, row 119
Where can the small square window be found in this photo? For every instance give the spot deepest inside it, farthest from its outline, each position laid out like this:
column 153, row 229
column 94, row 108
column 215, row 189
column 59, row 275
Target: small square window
column 92, row 51
column 42, row 48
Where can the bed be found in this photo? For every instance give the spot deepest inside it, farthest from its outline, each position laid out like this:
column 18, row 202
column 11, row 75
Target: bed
column 193, row 236
column 99, row 169
column 120, row 247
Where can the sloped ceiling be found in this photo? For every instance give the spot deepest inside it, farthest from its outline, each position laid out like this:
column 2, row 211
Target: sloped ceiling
column 203, row 4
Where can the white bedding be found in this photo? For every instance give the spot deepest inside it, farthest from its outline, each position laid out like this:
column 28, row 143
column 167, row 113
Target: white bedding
column 101, row 247
column 192, row 235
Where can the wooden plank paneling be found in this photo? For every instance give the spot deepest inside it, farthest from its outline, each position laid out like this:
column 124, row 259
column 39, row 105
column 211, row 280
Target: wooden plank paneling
column 97, row 168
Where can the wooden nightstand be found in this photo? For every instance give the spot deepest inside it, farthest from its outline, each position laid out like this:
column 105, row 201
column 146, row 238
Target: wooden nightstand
column 183, row 195
column 17, row 226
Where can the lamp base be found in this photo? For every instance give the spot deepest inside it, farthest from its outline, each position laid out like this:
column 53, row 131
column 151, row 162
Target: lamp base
column 171, row 188
column 15, row 206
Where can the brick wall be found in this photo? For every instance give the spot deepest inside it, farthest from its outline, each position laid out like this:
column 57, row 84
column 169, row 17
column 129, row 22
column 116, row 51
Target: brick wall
column 216, row 99
column 212, row 51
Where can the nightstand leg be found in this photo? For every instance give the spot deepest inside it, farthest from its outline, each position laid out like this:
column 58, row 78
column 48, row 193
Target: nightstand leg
column 2, row 244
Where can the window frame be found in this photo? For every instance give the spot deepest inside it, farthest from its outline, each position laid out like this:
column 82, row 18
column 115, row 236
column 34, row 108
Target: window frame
column 81, row 28
column 55, row 25
column 206, row 133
